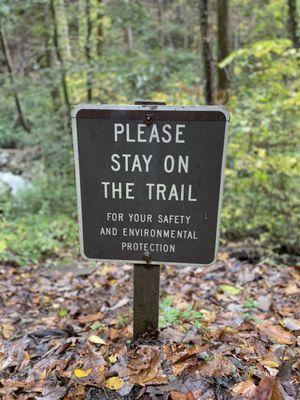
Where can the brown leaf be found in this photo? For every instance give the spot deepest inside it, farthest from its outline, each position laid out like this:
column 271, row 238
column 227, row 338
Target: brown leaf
column 276, row 333
column 269, row 389
column 291, row 324
column 292, row 289
column 178, row 396
column 246, row 389
column 144, row 367
column 264, row 302
column 179, row 367
column 178, row 353
column 90, row 318
column 218, row 367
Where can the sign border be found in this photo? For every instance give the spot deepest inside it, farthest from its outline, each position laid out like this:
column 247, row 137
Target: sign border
column 84, row 106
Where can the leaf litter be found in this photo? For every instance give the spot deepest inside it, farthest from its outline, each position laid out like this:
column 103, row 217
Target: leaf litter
column 68, row 336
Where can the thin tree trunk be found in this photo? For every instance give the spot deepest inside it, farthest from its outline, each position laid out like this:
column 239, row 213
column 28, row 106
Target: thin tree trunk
column 206, row 51
column 160, row 32
column 18, row 100
column 50, row 59
column 63, row 30
column 59, row 57
column 81, row 26
column 128, row 31
column 186, row 19
column 293, row 23
column 99, row 32
column 223, row 44
column 88, row 50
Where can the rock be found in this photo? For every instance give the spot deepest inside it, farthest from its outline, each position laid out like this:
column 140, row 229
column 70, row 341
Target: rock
column 4, row 157
column 16, row 183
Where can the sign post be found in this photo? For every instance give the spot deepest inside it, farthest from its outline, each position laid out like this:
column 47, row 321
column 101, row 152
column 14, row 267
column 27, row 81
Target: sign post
column 149, row 184
column 145, row 299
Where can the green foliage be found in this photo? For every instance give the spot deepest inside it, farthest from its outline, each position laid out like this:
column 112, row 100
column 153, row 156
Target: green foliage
column 164, row 63
column 63, row 312
column 31, row 238
column 261, row 199
column 250, row 303
column 170, row 315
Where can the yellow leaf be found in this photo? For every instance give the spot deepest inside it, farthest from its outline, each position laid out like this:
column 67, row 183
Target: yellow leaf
column 81, row 373
column 223, row 256
column 7, row 330
column 208, row 316
column 114, row 383
column 113, row 358
column 96, row 339
column 229, row 289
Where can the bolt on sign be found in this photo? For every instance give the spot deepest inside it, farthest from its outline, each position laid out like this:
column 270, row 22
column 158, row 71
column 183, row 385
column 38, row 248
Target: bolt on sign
column 149, row 181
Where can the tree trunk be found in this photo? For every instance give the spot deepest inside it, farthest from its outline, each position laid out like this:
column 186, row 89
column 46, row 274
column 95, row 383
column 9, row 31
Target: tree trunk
column 293, row 23
column 186, row 24
column 18, row 100
column 223, row 44
column 63, row 30
column 206, row 51
column 99, row 32
column 160, row 33
column 88, row 50
column 81, row 27
column 59, row 57
column 54, row 91
column 128, row 31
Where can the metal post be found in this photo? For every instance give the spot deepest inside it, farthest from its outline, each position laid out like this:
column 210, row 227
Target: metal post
column 146, row 299
column 146, row 278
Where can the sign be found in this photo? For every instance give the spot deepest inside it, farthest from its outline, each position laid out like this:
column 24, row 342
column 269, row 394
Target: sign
column 149, row 181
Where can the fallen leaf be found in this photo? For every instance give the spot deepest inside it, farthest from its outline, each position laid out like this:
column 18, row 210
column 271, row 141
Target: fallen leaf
column 81, row 373
column 223, row 256
column 179, row 367
column 144, row 366
column 178, row 396
column 114, row 383
column 246, row 389
column 228, row 289
column 96, row 325
column 270, row 360
column 268, row 389
column 63, row 312
column 96, row 339
column 292, row 289
column 276, row 333
column 179, row 353
column 218, row 367
column 291, row 324
column 208, row 316
column 90, row 318
column 120, row 303
column 264, row 302
column 113, row 358
column 158, row 380
column 7, row 330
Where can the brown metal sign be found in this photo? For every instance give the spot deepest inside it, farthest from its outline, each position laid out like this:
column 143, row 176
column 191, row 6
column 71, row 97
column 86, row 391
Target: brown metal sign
column 149, row 181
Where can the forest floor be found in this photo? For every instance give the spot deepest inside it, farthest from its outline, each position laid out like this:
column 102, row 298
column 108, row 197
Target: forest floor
column 228, row 331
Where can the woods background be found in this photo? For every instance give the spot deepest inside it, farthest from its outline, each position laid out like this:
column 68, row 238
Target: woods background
column 58, row 53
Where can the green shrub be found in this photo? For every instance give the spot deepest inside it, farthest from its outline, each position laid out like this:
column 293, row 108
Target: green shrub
column 260, row 198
